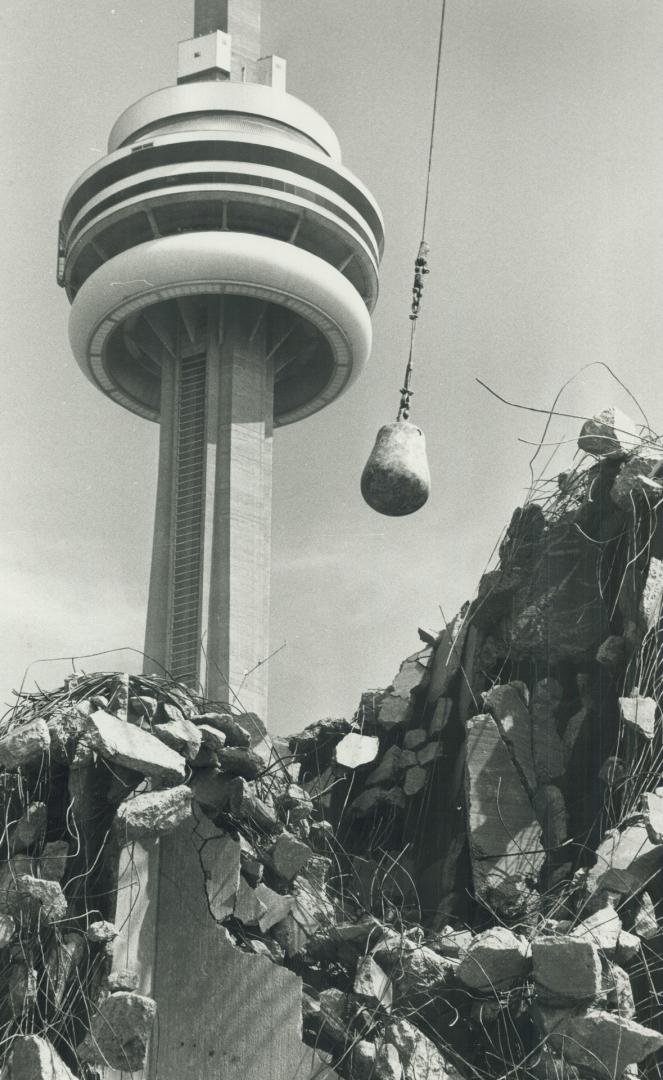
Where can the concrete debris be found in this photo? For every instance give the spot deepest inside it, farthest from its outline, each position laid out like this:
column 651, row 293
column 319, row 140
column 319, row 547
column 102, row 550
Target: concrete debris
column 122, row 979
column 288, row 855
column 221, row 863
column 640, row 714
column 236, row 761
column 645, row 923
column 547, row 748
column 117, row 741
column 53, row 860
column 611, row 653
column 626, row 861
column 276, row 906
column 119, row 1032
column 599, row 1041
column 235, row 733
column 441, row 715
column 25, row 745
column 428, row 753
column 610, row 434
column 32, row 1057
column 377, row 798
column 506, row 706
column 420, row 1058
column 249, row 909
column 7, row 930
column 34, row 898
column 504, row 835
column 652, row 595
column 294, row 804
column 602, row 928
column 101, row 932
column 617, row 985
column 628, row 947
column 22, row 984
column 566, row 969
column 613, row 772
column 414, row 780
column 355, row 750
column 638, row 478
column 414, row 738
column 388, row 1063
column 550, row 809
column 497, row 958
column 652, row 812
column 179, row 734
column 394, row 762
column 372, row 983
column 153, row 813
column 29, row 828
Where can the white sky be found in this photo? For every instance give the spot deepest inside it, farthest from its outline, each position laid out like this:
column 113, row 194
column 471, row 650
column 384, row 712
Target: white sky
column 546, row 228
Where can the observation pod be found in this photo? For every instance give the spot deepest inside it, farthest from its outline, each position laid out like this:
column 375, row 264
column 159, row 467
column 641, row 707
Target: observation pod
column 215, row 189
column 222, row 265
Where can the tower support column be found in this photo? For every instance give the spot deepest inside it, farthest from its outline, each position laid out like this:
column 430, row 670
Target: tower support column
column 208, row 610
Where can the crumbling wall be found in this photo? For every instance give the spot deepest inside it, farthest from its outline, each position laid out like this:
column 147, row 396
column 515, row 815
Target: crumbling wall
column 465, row 876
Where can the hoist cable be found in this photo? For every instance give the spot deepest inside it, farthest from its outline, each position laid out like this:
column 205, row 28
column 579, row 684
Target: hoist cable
column 421, row 261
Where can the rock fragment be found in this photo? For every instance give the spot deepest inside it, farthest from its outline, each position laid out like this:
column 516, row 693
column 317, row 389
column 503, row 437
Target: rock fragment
column 38, row 899
column 235, row 733
column 236, row 761
column 638, row 477
column 372, row 983
column 101, row 932
column 179, row 734
column 30, row 827
column 602, row 928
column 414, row 780
column 393, row 763
column 220, row 861
column 547, row 748
column 53, row 860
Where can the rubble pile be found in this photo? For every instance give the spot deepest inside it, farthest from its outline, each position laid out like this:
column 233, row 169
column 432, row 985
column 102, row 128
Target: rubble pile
column 466, row 875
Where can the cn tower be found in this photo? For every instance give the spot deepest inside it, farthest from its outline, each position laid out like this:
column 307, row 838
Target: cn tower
column 221, row 265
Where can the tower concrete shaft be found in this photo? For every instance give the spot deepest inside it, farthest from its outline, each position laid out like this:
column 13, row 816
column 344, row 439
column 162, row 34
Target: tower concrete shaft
column 208, row 609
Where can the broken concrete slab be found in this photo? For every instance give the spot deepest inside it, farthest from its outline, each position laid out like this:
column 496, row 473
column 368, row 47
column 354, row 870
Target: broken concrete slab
column 355, row 750
column 153, row 813
column 25, row 745
column 652, row 812
column 119, row 1032
column 496, row 959
column 566, row 969
column 601, row 1042
column 235, row 733
column 220, row 860
column 503, row 832
column 179, row 734
column 640, row 714
column 118, row 741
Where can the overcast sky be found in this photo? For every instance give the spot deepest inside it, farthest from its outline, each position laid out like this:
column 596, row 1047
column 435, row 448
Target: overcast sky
column 546, row 234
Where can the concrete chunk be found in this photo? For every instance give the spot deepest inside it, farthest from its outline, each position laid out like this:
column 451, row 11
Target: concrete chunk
column 508, row 709
column 36, row 899
column 220, row 858
column 30, row 827
column 602, row 928
column 25, row 745
column 372, row 983
column 547, row 748
column 609, row 434
column 355, row 750
column 153, row 813
column 626, row 861
column 566, row 969
column 119, row 1032
column 288, row 856
column 640, row 714
column 179, row 734
column 496, row 958
column 599, row 1041
column 118, row 741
